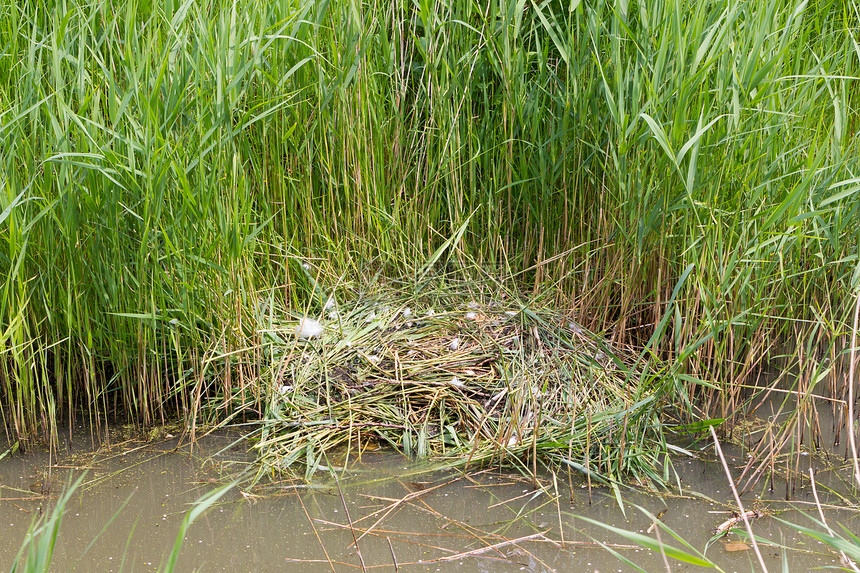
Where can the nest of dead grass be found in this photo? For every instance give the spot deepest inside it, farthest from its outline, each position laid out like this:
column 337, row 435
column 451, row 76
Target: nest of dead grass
column 465, row 382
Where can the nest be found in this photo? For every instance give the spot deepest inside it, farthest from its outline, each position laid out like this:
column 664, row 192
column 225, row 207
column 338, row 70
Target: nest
column 478, row 383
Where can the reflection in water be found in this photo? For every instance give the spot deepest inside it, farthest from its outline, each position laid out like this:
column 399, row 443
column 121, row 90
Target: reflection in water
column 440, row 521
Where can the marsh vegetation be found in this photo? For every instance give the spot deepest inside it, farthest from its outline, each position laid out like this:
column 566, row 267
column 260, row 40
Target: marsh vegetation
column 652, row 205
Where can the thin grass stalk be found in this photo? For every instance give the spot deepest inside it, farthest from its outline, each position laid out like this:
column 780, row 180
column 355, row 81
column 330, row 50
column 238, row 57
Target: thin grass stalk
column 737, row 499
column 852, row 440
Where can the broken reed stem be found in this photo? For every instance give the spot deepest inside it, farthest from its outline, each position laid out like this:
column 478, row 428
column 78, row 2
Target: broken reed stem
column 398, row 503
column 737, row 498
column 393, row 556
column 558, row 507
column 851, row 380
column 662, row 551
column 317, row 534
column 485, row 549
column 845, row 559
column 349, row 520
column 535, row 482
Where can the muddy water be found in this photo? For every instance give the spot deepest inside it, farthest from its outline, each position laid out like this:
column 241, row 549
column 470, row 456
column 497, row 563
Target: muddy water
column 135, row 495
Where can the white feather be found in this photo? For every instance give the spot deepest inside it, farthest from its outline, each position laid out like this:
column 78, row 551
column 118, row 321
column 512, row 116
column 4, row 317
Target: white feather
column 308, row 328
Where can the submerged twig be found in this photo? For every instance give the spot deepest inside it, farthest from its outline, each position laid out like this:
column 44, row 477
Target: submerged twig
column 349, row 520
column 317, row 535
column 493, row 547
column 393, row 556
column 398, row 503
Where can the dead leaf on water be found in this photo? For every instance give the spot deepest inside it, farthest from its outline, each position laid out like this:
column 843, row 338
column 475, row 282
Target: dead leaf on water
column 732, row 546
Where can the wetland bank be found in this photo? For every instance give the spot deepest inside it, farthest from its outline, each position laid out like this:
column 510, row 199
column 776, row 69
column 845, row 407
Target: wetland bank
column 623, row 217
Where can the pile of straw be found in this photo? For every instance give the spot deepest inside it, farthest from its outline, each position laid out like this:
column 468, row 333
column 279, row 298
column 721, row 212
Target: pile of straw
column 473, row 383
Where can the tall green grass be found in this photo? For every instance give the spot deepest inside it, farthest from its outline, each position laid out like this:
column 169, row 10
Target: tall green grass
column 166, row 165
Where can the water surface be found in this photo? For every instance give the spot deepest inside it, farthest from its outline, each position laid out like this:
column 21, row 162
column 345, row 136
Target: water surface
column 136, row 493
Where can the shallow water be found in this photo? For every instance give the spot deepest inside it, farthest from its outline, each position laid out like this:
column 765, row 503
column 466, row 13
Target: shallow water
column 423, row 521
